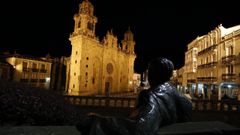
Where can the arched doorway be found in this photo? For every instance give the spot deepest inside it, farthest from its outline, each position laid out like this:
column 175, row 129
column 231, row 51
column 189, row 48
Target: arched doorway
column 108, row 86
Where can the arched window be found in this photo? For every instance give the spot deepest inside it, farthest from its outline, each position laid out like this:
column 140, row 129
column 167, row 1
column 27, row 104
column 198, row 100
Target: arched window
column 90, row 26
column 79, row 24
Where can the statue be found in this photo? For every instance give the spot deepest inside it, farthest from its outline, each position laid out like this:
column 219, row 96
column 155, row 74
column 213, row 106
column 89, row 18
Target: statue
column 158, row 106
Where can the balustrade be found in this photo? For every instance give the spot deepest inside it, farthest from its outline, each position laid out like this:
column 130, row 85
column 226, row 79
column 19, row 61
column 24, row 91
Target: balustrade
column 198, row 104
column 101, row 101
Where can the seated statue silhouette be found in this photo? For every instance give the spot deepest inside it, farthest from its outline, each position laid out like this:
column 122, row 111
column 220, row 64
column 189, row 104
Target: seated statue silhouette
column 158, row 106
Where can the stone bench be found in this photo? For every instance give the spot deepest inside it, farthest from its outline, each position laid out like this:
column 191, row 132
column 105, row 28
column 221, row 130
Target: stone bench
column 188, row 128
column 200, row 128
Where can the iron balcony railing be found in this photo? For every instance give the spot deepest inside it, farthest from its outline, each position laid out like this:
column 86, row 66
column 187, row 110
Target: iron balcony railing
column 35, row 70
column 208, row 65
column 228, row 76
column 210, row 48
column 206, row 79
column 228, row 59
column 26, row 69
column 43, row 70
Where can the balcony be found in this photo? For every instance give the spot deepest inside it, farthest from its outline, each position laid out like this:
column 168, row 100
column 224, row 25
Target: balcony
column 228, row 77
column 43, row 71
column 42, row 80
column 208, row 65
column 35, row 70
column 211, row 64
column 26, row 69
column 228, row 59
column 207, row 79
column 201, row 66
column 191, row 80
column 211, row 48
column 34, row 80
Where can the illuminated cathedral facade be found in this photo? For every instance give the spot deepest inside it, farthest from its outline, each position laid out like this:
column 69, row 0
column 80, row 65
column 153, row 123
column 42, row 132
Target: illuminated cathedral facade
column 99, row 67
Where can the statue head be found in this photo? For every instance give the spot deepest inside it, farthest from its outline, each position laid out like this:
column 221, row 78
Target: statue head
column 160, row 70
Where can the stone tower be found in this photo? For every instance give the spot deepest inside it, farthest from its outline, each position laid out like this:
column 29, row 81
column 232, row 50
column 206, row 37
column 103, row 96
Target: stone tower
column 85, row 21
column 99, row 67
column 128, row 47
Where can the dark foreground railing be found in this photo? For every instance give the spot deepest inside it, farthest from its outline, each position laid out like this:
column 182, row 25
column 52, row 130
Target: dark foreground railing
column 198, row 105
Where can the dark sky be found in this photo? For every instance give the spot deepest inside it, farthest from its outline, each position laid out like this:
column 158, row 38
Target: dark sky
column 161, row 28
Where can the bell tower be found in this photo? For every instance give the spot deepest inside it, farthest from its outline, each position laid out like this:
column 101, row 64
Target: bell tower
column 84, row 26
column 85, row 21
column 128, row 43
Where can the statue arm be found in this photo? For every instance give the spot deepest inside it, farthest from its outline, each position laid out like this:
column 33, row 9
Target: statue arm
column 147, row 115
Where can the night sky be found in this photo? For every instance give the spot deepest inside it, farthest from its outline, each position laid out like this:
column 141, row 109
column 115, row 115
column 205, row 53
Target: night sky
column 161, row 28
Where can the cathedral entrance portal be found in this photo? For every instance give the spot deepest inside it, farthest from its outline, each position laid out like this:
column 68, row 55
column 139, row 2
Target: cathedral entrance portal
column 108, row 86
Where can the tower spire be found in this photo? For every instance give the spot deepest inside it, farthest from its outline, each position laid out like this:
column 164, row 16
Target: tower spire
column 85, row 21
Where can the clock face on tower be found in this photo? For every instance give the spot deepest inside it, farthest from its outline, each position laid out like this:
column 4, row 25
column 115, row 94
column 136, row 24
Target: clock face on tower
column 109, row 68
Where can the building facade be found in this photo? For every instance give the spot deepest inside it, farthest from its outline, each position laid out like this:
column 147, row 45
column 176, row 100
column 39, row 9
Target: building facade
column 5, row 71
column 181, row 80
column 99, row 67
column 212, row 63
column 229, row 70
column 29, row 70
column 190, row 65
column 60, row 74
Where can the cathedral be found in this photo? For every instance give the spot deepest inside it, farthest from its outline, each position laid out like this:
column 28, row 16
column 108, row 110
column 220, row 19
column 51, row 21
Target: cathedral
column 99, row 66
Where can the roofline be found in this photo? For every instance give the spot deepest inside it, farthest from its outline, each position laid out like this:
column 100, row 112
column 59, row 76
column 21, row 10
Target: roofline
column 24, row 57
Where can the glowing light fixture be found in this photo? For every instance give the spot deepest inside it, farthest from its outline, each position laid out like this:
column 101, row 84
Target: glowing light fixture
column 130, row 82
column 47, row 79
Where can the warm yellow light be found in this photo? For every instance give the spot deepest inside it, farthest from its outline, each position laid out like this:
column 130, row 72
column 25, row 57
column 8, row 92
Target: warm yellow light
column 47, row 79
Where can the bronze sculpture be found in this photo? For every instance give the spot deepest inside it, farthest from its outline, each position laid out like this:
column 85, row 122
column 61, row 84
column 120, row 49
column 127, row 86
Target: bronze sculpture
column 158, row 106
